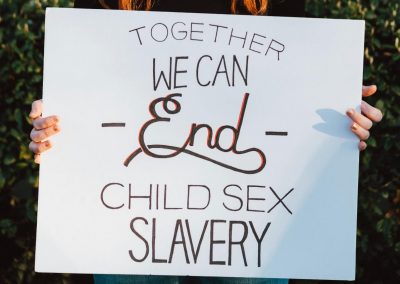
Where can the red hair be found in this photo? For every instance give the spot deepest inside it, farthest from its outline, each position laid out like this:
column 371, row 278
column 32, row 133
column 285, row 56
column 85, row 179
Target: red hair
column 255, row 7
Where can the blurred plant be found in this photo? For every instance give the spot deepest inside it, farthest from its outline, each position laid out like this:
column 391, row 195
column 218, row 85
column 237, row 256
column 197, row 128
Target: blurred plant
column 21, row 59
column 378, row 240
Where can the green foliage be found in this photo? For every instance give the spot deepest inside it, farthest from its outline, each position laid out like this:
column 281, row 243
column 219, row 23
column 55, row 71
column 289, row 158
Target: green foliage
column 21, row 59
column 378, row 241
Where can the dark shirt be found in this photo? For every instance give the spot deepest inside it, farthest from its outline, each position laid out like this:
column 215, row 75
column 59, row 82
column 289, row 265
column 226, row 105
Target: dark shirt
column 289, row 8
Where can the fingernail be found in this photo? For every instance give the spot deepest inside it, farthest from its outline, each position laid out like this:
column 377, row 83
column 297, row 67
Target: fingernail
column 56, row 119
column 47, row 144
column 55, row 127
column 350, row 112
column 354, row 126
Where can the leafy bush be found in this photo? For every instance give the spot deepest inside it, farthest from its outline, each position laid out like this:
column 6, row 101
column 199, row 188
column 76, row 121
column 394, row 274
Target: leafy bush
column 21, row 58
column 378, row 240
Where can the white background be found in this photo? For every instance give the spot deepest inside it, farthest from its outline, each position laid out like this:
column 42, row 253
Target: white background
column 95, row 71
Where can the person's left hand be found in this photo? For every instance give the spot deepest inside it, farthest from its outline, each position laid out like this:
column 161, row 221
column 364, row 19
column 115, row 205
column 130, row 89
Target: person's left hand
column 362, row 122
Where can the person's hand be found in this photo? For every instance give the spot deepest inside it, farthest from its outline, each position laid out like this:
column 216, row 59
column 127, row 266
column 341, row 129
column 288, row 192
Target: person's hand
column 43, row 128
column 362, row 122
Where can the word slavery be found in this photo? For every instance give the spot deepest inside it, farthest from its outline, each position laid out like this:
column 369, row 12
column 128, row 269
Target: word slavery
column 179, row 238
column 238, row 240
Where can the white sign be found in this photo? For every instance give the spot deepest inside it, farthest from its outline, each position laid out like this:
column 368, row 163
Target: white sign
column 197, row 144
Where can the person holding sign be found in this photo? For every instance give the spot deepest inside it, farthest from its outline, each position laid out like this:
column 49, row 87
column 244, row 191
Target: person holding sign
column 48, row 126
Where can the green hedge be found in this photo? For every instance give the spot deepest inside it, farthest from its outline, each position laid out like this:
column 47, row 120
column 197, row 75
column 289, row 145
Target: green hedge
column 378, row 240
column 21, row 56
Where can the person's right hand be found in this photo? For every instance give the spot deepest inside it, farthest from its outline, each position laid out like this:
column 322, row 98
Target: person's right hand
column 43, row 128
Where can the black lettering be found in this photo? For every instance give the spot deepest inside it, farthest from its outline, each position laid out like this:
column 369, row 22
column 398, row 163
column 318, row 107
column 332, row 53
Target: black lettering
column 280, row 200
column 166, row 32
column 137, row 33
column 256, row 42
column 233, row 196
column 236, row 64
column 238, row 37
column 275, row 49
column 214, row 242
column 216, row 30
column 196, row 127
column 235, row 133
column 165, row 200
column 188, row 198
column 131, row 196
column 140, row 237
column 179, row 71
column 102, row 196
column 197, row 70
column 192, row 31
column 154, row 259
column 251, row 198
column 240, row 242
column 175, row 242
column 222, row 71
column 180, row 32
column 259, row 239
column 162, row 75
column 196, row 253
column 157, row 196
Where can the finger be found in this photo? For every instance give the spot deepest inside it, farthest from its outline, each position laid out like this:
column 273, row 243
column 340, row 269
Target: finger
column 360, row 119
column 362, row 133
column 362, row 145
column 37, row 108
column 43, row 134
column 369, row 90
column 42, row 123
column 371, row 112
column 37, row 158
column 40, row 147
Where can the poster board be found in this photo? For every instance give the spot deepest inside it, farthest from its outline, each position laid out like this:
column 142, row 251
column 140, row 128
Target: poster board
column 197, row 144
